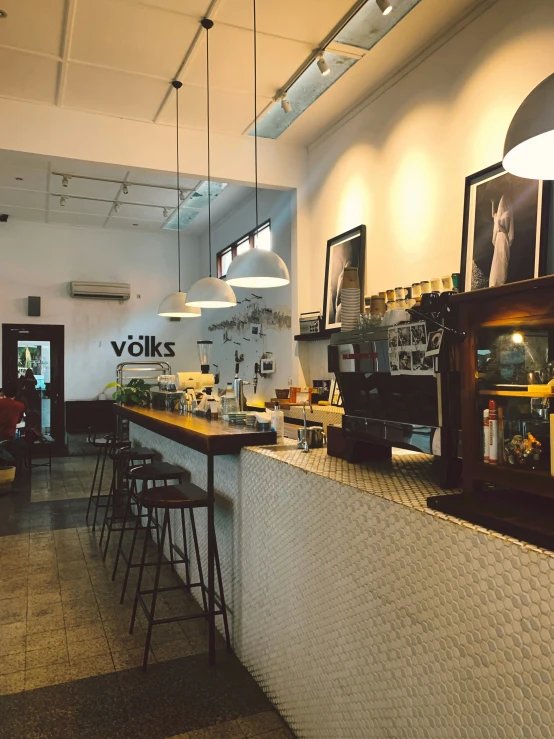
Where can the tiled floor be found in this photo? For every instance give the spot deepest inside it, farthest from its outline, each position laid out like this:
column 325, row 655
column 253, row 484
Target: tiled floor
column 68, row 665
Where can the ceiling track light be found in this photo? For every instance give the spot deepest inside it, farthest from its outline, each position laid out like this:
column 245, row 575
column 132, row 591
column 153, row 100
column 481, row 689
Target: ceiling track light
column 63, row 201
column 125, row 190
column 285, row 104
column 65, row 182
column 116, row 207
column 181, row 195
column 322, row 65
column 165, row 212
column 384, row 6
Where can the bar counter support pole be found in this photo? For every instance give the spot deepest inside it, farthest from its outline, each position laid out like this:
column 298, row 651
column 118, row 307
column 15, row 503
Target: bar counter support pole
column 211, row 560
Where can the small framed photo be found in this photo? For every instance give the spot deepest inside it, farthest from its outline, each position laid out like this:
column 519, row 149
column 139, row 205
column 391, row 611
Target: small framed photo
column 268, row 366
column 505, row 229
column 255, row 329
column 434, row 343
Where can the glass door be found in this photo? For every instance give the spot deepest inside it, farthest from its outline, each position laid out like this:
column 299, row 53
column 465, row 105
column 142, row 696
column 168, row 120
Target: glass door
column 33, row 358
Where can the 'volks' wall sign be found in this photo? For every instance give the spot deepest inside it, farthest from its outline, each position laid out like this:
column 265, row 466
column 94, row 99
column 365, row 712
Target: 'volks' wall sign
column 150, row 348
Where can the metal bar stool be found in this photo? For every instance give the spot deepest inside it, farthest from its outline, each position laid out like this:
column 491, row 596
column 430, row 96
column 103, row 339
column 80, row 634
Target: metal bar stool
column 183, row 497
column 148, row 473
column 124, row 459
column 104, row 445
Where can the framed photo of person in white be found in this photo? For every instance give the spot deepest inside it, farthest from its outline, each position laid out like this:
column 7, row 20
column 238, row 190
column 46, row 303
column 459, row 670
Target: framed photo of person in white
column 346, row 250
column 505, row 229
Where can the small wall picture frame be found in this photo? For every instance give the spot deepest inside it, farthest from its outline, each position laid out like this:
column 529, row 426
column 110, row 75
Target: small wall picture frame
column 267, row 366
column 255, row 329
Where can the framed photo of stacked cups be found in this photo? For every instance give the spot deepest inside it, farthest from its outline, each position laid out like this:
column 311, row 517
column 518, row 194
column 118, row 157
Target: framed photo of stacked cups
column 505, row 229
column 346, row 250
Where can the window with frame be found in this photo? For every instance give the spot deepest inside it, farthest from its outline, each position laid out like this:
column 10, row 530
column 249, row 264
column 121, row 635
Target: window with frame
column 259, row 238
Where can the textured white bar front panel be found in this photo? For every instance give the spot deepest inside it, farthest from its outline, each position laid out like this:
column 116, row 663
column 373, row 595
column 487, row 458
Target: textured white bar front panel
column 366, row 616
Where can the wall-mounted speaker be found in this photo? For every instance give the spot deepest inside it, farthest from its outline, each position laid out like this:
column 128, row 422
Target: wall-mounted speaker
column 33, row 306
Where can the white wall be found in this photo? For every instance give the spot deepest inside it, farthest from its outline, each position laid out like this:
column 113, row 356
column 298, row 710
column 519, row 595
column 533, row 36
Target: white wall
column 277, row 206
column 41, row 259
column 399, row 165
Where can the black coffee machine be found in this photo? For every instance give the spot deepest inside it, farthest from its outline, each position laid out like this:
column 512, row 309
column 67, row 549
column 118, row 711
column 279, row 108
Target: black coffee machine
column 383, row 410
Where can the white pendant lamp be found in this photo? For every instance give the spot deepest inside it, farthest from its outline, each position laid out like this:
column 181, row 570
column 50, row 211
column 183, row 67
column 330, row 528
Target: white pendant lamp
column 174, row 305
column 210, row 292
column 529, row 145
column 257, row 268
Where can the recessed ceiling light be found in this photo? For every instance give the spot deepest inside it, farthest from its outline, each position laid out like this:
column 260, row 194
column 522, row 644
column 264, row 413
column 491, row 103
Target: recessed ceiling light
column 135, row 224
column 3, row 14
column 19, row 179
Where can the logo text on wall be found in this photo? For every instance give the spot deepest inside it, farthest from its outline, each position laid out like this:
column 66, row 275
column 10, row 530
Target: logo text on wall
column 146, row 346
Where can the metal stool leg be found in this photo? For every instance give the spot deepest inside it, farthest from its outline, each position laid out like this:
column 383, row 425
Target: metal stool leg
column 141, row 571
column 115, row 489
column 132, row 495
column 99, row 493
column 109, row 505
column 198, row 560
column 132, row 549
column 185, row 548
column 165, row 528
column 92, row 487
column 222, row 598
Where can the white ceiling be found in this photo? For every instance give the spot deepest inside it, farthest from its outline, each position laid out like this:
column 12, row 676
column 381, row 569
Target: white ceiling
column 30, row 190
column 118, row 57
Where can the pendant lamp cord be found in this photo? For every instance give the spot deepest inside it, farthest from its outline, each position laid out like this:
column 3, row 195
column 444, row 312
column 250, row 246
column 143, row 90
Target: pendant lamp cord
column 209, row 171
column 178, row 191
column 256, row 118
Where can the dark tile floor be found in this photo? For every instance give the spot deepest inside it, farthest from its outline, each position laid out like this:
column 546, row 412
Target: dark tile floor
column 68, row 666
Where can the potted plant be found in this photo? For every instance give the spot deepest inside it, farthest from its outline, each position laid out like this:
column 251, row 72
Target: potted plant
column 136, row 392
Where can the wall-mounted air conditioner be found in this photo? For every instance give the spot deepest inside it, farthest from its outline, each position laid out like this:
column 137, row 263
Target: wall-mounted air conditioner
column 101, row 290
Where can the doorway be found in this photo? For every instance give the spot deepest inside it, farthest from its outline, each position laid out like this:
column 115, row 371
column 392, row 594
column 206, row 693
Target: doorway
column 37, row 351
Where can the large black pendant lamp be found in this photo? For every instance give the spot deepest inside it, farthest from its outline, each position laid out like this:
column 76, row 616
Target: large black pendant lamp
column 174, row 305
column 210, row 292
column 529, row 145
column 257, row 267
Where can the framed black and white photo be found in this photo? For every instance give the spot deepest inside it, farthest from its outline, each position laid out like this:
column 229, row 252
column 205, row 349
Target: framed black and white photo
column 346, row 250
column 505, row 229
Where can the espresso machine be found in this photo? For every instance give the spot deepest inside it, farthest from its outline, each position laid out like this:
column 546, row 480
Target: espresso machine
column 198, row 385
column 383, row 410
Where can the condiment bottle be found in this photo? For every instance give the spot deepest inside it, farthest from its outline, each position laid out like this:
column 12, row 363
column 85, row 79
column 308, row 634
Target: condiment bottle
column 493, row 431
column 278, row 422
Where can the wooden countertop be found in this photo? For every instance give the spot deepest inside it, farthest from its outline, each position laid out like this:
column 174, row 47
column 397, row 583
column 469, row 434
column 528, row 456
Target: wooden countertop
column 196, row 432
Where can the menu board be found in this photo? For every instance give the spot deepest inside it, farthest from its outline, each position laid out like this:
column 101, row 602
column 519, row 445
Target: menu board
column 408, row 350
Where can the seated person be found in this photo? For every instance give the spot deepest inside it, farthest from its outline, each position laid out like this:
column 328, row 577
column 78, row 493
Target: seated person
column 11, row 413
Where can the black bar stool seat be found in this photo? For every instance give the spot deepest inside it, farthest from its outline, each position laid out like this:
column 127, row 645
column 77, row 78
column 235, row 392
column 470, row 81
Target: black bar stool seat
column 186, row 495
column 183, row 497
column 157, row 472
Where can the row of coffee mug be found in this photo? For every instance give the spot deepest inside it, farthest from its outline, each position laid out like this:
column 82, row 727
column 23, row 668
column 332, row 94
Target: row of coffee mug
column 410, row 297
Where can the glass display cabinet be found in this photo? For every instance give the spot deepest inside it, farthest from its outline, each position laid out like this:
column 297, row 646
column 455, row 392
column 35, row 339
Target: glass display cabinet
column 507, row 378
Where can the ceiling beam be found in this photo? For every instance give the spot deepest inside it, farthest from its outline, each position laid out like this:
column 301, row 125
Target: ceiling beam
column 70, row 7
column 190, row 51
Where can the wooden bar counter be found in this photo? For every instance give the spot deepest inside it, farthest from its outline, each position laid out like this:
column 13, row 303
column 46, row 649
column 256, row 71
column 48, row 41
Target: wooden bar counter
column 196, row 432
